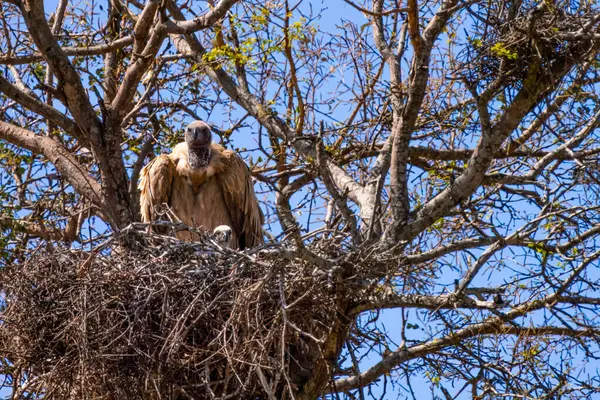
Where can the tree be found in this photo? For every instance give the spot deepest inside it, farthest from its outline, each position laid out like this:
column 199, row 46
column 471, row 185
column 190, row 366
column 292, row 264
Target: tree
column 453, row 141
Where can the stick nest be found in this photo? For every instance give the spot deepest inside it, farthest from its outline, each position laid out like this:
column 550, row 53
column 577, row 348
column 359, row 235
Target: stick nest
column 169, row 319
column 510, row 40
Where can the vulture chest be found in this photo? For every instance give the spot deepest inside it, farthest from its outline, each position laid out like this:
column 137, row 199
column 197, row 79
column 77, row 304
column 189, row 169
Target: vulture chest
column 200, row 206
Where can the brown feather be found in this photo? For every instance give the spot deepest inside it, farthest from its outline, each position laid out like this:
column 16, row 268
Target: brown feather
column 238, row 192
column 220, row 194
column 155, row 185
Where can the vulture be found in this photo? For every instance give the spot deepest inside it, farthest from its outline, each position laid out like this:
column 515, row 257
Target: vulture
column 204, row 186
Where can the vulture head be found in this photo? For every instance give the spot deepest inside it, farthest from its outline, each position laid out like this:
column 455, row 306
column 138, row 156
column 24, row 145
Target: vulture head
column 198, row 139
column 222, row 235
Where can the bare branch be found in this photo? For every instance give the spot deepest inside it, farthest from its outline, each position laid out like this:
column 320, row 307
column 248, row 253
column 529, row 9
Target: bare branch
column 69, row 79
column 40, row 230
column 39, row 107
column 495, row 325
column 64, row 161
column 487, row 147
column 369, row 12
column 203, row 21
column 405, row 119
column 387, row 298
column 91, row 50
column 338, row 198
column 571, row 143
column 145, row 49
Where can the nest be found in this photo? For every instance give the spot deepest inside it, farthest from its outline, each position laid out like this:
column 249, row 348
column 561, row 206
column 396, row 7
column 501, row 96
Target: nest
column 168, row 319
column 508, row 39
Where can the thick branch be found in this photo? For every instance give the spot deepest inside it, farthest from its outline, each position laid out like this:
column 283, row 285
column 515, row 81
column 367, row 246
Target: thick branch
column 145, row 51
column 203, row 21
column 550, row 110
column 40, row 230
column 92, row 50
column 70, row 81
column 62, row 159
column 338, row 198
column 389, row 299
column 39, row 107
column 405, row 118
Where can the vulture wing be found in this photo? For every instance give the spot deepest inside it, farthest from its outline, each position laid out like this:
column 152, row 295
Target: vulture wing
column 240, row 200
column 155, row 185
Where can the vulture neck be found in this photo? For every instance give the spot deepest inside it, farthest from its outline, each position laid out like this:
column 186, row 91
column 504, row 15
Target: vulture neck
column 199, row 157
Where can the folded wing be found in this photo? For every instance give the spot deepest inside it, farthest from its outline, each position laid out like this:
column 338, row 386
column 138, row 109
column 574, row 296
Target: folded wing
column 156, row 184
column 238, row 193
